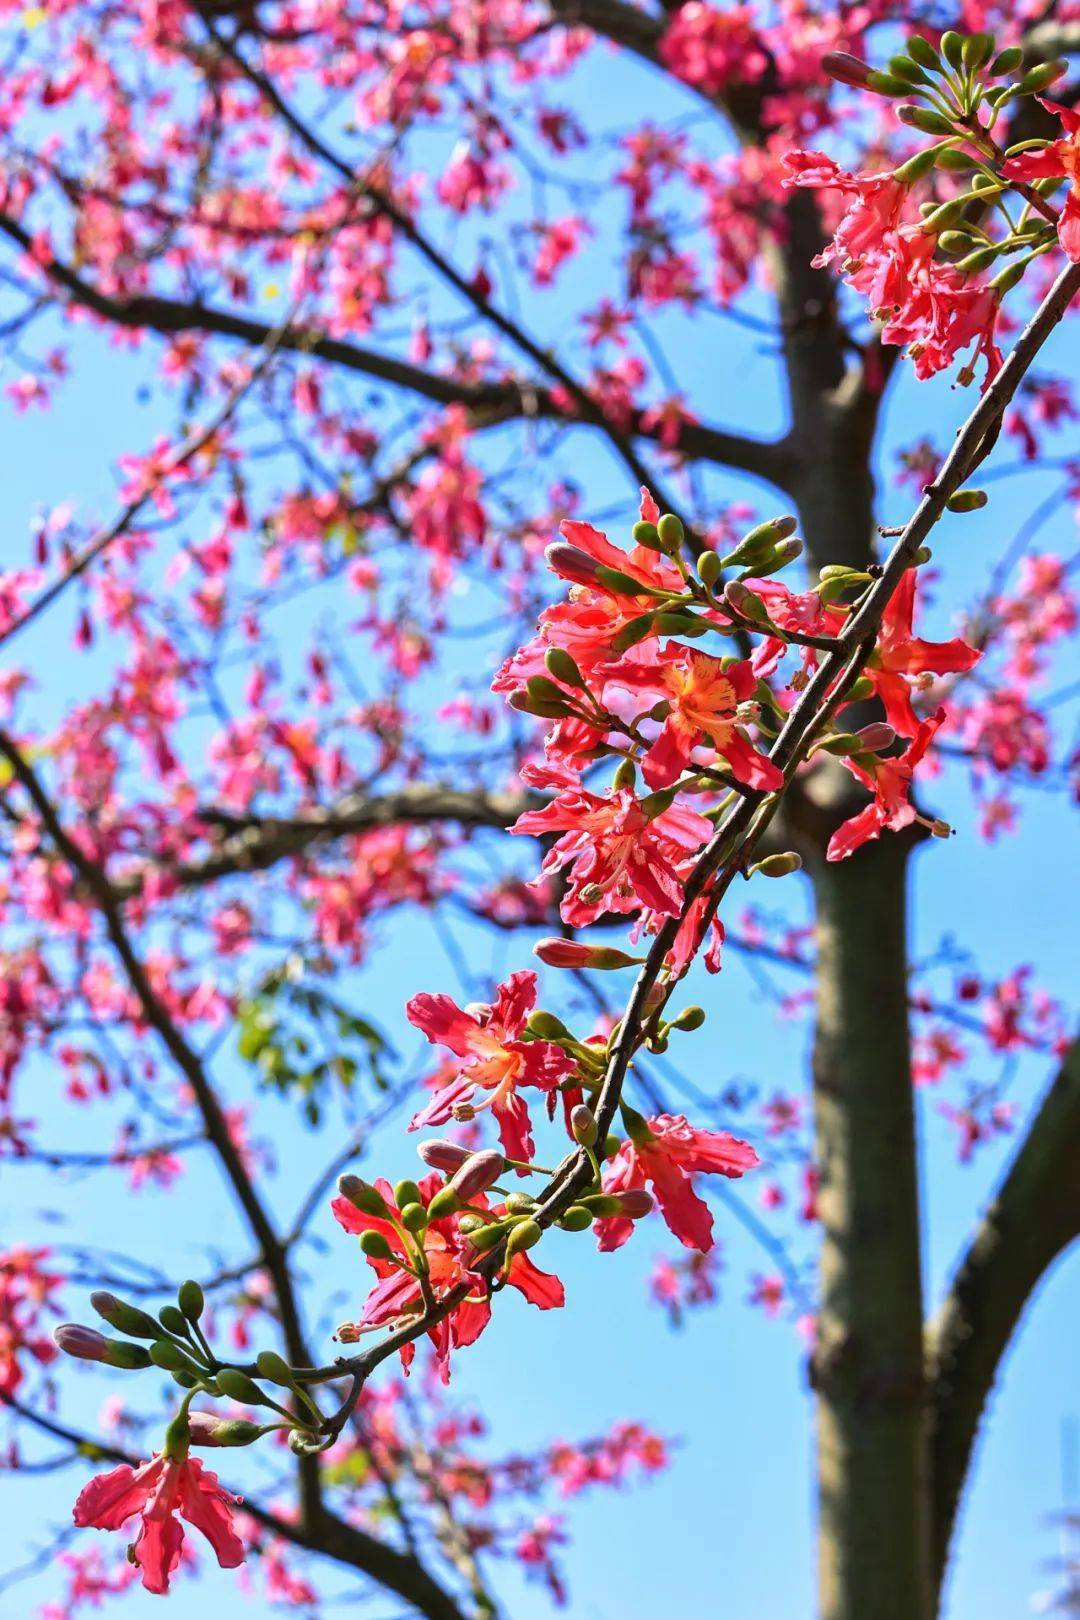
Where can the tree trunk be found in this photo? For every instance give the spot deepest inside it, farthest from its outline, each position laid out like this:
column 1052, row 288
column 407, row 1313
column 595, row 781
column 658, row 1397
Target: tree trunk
column 867, row 1367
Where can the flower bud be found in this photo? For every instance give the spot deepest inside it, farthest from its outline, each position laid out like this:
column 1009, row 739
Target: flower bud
column 887, row 84
column 406, row 1192
column 710, row 568
column 546, row 1027
column 192, row 1300
column 636, row 1203
column 840, row 744
column 1007, row 61
column 952, row 48
column 545, row 698
column 633, row 631
column 1040, row 78
column 441, row 1155
column 622, row 584
column 920, row 50
column 976, row 51
column 520, row 1203
column 576, row 1219
column 744, row 601
column 602, row 1205
column 478, row 1175
column 445, row 1202
column 846, row 69
column 523, row 1237
column 924, row 119
column 778, row 866
column 570, row 953
column 274, row 1369
column 671, row 532
column 364, row 1197
column 173, row 1320
column 376, row 1245
column 646, row 534
column 87, row 1344
column 414, row 1217
column 876, row 737
column 170, row 1358
column 689, row 1018
column 967, row 500
column 486, row 1237
column 917, row 166
column 204, row 1429
column 125, row 1318
column 563, row 667
column 239, row 1387
column 583, row 1125
column 760, row 541
column 572, row 563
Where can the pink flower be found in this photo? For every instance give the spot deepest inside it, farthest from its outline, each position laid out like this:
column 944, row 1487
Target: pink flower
column 664, row 1152
column 704, row 698
column 450, row 1257
column 621, row 859
column 1058, row 157
column 890, row 782
column 157, row 1491
column 900, row 655
column 495, row 1059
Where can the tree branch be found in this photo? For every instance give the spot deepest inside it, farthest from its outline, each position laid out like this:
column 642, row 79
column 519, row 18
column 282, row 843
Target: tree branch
column 489, row 404
column 1033, row 1218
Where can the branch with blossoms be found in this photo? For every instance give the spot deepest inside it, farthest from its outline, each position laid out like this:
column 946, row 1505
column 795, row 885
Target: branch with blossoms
column 614, row 671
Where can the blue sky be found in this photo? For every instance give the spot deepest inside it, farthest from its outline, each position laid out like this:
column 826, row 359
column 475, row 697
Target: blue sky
column 728, row 1529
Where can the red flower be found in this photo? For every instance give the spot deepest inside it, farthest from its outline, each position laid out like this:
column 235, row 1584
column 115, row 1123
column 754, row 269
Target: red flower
column 890, row 782
column 899, row 654
column 704, row 699
column 157, row 1491
column 1059, row 157
column 495, row 1059
column 664, row 1152
column 621, row 859
column 450, row 1257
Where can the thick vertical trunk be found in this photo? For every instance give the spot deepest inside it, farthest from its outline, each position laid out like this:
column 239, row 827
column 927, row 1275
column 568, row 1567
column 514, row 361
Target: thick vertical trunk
column 868, row 1375
column 873, row 1498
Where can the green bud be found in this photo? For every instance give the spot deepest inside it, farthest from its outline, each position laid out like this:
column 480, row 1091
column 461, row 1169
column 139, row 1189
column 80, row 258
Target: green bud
column 124, row 1317
column 1007, row 61
column 646, row 534
column 543, row 708
column 917, row 166
column 860, row 689
column 760, row 542
column 902, row 67
column 1040, row 78
column 952, row 47
column 239, row 1387
column 445, row 1202
column 602, row 1206
column 924, row 119
column 192, row 1300
column 364, row 1197
column 612, row 1144
column 967, row 500
column 172, row 1320
column 406, row 1192
column 170, row 1358
column 887, row 84
column 976, row 51
column 523, row 1237
column 562, row 666
column 274, row 1369
column 546, row 1027
column 131, row 1357
column 576, row 1219
column 223, row 1431
column 709, row 568
column 414, row 1217
column 981, row 259
column 540, row 690
column 920, row 50
column 778, row 866
column 1007, row 279
column 689, row 1018
column 841, row 744
column 953, row 159
column 633, row 631
column 613, row 579
column 671, row 532
column 583, row 1125
column 376, row 1246
column 677, row 623
column 946, row 213
column 520, row 1203
column 486, row 1237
